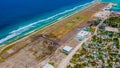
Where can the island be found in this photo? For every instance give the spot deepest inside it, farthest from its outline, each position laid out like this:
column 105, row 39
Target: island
column 88, row 38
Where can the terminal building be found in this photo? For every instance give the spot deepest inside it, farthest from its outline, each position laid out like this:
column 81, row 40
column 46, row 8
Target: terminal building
column 82, row 35
column 67, row 49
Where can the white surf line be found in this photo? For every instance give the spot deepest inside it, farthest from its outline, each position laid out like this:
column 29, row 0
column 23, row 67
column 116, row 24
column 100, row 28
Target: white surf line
column 65, row 61
column 49, row 59
column 5, row 46
column 23, row 29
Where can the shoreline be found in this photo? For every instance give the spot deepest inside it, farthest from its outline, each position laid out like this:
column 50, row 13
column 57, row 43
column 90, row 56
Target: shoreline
column 45, row 26
column 69, row 13
column 86, row 14
column 39, row 30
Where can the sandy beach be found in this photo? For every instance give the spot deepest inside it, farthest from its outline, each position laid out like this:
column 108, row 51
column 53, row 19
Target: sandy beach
column 58, row 32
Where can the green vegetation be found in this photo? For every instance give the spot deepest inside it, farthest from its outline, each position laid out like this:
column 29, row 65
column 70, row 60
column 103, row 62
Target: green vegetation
column 91, row 29
column 100, row 51
column 52, row 63
column 68, row 26
column 1, row 59
column 64, row 52
column 113, row 22
column 6, row 49
column 97, row 52
column 96, row 22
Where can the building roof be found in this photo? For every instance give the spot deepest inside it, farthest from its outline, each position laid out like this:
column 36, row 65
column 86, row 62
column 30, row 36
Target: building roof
column 48, row 66
column 86, row 29
column 67, row 48
column 83, row 33
column 111, row 29
column 79, row 37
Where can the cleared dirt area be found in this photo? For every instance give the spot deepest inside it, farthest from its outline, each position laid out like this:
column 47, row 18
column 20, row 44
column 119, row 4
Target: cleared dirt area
column 35, row 49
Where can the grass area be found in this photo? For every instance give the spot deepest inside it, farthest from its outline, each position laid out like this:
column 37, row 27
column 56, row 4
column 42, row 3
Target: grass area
column 52, row 63
column 91, row 29
column 68, row 26
column 7, row 49
column 60, row 31
column 1, row 59
column 18, row 38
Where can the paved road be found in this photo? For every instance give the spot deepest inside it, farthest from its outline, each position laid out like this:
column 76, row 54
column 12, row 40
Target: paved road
column 65, row 61
column 95, row 33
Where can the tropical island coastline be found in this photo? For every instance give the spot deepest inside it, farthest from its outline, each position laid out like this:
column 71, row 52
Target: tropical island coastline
column 60, row 32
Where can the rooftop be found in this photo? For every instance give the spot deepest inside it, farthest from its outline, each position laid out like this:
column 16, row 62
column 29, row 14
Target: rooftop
column 67, row 48
column 48, row 66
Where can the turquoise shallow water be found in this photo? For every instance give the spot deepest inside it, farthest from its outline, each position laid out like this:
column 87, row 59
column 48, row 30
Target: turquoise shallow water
column 47, row 17
column 19, row 29
column 116, row 8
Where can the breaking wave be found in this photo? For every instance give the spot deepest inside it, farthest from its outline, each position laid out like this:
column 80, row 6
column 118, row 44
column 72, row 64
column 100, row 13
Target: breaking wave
column 23, row 29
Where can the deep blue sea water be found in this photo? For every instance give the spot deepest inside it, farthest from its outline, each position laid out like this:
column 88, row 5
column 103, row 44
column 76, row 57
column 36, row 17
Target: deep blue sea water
column 18, row 17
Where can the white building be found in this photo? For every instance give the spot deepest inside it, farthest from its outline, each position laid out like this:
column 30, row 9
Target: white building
column 67, row 49
column 48, row 66
column 82, row 35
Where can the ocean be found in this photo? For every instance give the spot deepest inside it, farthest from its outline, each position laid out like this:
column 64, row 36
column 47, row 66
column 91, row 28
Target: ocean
column 115, row 8
column 20, row 17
